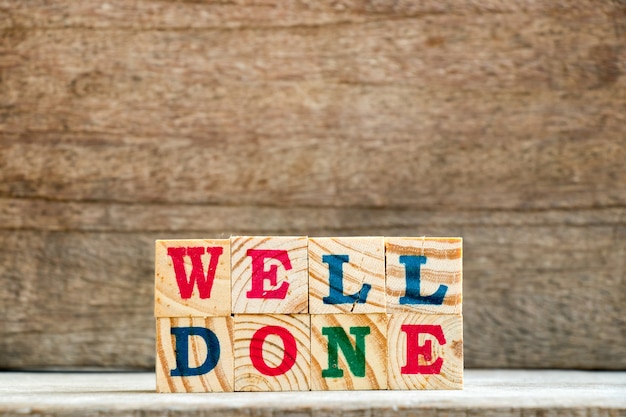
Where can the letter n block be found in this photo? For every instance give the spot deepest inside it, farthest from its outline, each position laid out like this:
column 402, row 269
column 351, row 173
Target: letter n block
column 348, row 352
column 192, row 278
column 425, row 351
column 346, row 275
column 269, row 275
column 272, row 352
column 194, row 354
column 424, row 275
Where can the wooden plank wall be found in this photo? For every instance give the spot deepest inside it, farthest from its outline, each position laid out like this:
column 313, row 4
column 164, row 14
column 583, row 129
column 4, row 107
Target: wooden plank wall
column 126, row 121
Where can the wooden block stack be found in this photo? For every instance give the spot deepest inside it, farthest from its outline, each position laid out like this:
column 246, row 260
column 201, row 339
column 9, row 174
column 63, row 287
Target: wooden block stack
column 296, row 314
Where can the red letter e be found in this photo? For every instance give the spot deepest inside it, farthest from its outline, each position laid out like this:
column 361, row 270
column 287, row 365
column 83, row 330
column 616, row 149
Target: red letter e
column 414, row 350
column 260, row 274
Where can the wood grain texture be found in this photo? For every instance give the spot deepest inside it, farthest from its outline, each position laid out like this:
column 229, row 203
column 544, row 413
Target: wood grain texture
column 441, row 271
column 545, row 91
column 272, row 14
column 435, row 338
column 125, row 122
column 283, row 284
column 168, row 300
column 373, row 350
column 570, row 167
column 219, row 379
column 293, row 369
column 361, row 267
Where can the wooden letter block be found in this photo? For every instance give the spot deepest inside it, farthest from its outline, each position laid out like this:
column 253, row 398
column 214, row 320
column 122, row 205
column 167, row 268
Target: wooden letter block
column 269, row 275
column 346, row 275
column 348, row 352
column 254, row 313
column 192, row 278
column 425, row 351
column 194, row 354
column 424, row 275
column 272, row 352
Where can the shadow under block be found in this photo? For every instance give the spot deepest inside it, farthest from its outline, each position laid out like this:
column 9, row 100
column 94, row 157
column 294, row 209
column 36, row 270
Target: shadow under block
column 346, row 275
column 269, row 275
column 348, row 352
column 424, row 275
column 425, row 351
column 272, row 352
column 194, row 354
column 192, row 278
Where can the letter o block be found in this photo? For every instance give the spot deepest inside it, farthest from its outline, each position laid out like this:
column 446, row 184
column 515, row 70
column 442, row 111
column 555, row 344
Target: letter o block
column 272, row 352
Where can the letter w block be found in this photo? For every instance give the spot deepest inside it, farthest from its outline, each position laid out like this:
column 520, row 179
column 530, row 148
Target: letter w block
column 192, row 278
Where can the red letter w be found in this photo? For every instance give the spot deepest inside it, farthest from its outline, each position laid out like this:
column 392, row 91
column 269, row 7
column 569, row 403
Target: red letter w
column 205, row 282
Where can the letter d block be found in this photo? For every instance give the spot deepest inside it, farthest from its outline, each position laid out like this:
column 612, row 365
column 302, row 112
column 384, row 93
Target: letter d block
column 194, row 354
column 192, row 278
column 425, row 351
column 272, row 352
column 269, row 275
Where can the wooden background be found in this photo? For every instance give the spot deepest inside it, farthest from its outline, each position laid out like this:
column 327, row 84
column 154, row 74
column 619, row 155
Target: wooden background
column 126, row 121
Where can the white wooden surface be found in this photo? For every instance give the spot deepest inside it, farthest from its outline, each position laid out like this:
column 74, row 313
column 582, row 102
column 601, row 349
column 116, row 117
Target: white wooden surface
column 487, row 392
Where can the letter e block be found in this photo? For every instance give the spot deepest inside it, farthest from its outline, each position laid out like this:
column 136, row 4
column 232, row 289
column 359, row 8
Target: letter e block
column 269, row 275
column 346, row 275
column 192, row 278
column 424, row 275
column 425, row 351
column 194, row 354
column 272, row 352
column 348, row 352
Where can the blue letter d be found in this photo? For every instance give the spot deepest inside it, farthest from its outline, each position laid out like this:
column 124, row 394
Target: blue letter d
column 182, row 335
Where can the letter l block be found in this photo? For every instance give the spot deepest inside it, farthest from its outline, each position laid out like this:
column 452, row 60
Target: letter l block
column 424, row 275
column 346, row 275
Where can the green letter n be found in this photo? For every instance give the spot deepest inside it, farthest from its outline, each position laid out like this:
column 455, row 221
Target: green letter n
column 355, row 356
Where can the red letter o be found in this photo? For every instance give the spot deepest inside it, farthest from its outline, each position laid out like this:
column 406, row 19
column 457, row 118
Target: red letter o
column 290, row 350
